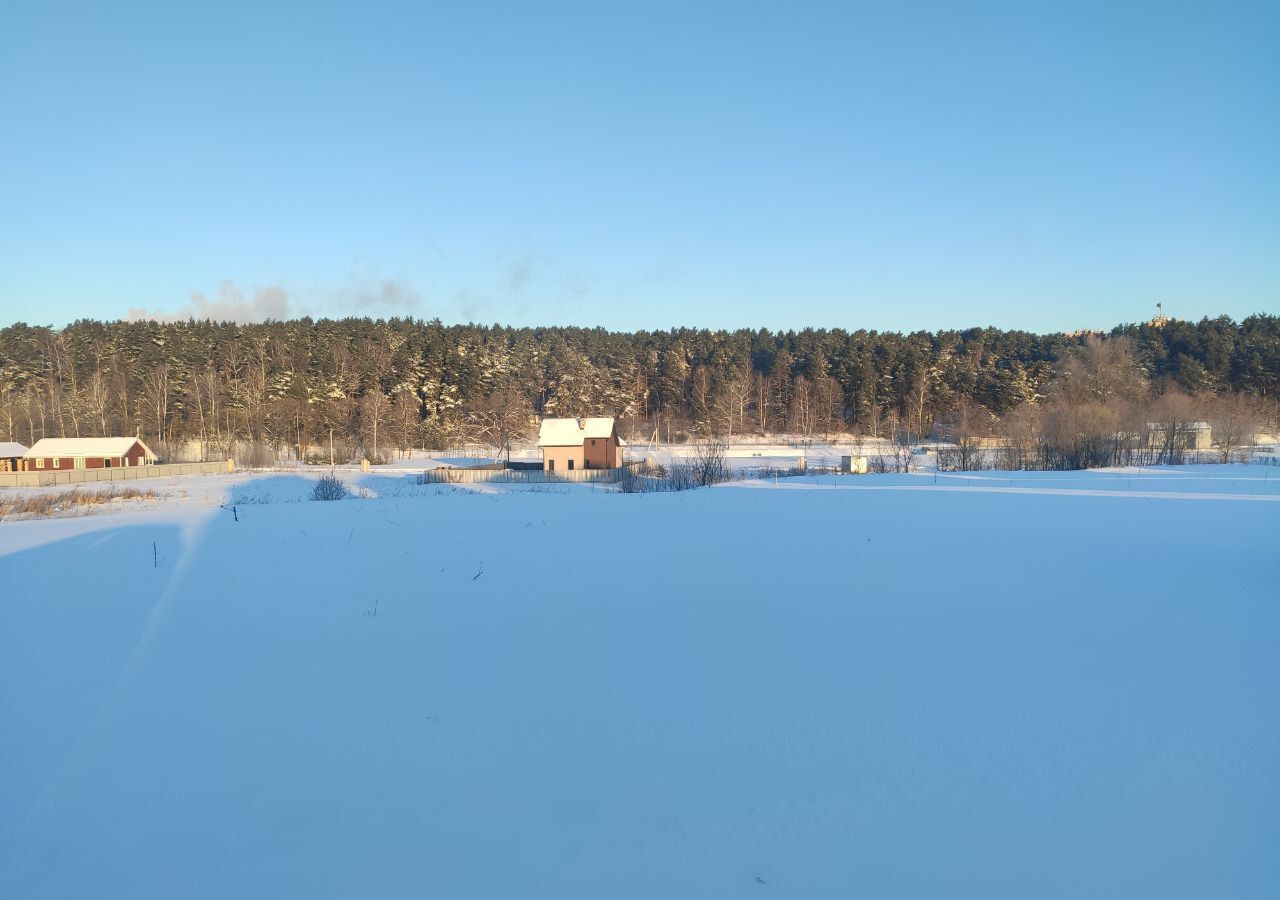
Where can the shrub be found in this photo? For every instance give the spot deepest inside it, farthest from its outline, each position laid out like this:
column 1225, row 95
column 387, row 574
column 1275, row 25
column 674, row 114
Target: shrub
column 706, row 468
column 329, row 487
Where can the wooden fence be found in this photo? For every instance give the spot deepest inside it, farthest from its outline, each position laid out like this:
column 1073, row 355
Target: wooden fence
column 129, row 473
column 522, row 476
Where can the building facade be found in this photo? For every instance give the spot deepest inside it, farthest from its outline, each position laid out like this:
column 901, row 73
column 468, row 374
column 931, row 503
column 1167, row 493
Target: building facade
column 570, row 445
column 87, row 453
column 11, row 456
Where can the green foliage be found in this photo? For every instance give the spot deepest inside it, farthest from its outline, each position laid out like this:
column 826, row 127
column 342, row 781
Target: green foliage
column 286, row 385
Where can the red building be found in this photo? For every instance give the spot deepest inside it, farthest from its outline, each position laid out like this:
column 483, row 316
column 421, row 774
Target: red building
column 87, row 453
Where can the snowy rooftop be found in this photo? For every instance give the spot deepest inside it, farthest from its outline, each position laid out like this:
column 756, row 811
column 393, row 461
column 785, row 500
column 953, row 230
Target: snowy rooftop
column 11, row 448
column 571, row 432
column 103, row 446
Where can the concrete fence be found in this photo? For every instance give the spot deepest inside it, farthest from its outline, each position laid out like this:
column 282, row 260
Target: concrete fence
column 130, row 473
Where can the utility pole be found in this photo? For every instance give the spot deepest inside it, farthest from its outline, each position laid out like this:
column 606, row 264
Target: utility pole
column 331, row 449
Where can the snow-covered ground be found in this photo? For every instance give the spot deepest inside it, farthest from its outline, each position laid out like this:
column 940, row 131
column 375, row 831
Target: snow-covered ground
column 988, row 685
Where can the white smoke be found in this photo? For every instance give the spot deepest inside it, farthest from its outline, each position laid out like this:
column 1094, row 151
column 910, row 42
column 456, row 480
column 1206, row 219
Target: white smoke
column 232, row 305
column 385, row 296
column 361, row 295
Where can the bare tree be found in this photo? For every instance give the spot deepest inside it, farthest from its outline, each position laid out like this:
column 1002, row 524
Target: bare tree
column 1173, row 418
column 500, row 418
column 375, row 414
column 919, row 400
column 406, row 419
column 828, row 402
column 98, row 399
column 701, row 384
column 8, row 412
column 802, row 405
column 207, row 397
column 1102, row 370
column 967, row 426
column 1083, row 435
column 732, row 401
column 1022, row 437
column 156, row 390
column 903, row 449
column 1236, row 420
column 762, row 397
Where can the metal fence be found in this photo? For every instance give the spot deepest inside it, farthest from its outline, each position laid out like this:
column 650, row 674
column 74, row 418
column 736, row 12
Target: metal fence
column 521, row 476
column 128, row 473
column 952, row 459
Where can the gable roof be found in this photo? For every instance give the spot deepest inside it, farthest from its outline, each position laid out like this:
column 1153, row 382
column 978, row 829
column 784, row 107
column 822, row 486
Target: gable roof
column 12, row 448
column 106, row 447
column 568, row 432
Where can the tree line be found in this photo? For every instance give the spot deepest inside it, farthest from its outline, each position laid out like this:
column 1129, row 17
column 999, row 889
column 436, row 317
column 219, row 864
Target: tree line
column 378, row 387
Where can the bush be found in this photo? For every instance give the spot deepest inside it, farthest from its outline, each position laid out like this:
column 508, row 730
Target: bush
column 710, row 465
column 647, row 478
column 706, row 468
column 769, row 473
column 329, row 487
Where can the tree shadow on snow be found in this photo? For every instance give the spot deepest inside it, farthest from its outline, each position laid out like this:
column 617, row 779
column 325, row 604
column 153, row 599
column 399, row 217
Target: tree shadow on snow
column 72, row 613
column 274, row 489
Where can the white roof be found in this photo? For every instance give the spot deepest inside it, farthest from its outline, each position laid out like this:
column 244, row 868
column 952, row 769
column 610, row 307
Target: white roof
column 105, row 446
column 12, row 448
column 571, row 432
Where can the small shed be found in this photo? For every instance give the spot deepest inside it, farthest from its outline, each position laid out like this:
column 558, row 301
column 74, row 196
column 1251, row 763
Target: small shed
column 855, row 465
column 11, row 454
column 586, row 443
column 88, row 453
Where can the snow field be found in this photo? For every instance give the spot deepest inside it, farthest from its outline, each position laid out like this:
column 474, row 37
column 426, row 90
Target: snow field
column 999, row 685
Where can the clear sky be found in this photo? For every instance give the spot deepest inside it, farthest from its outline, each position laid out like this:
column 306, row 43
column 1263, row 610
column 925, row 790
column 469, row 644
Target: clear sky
column 891, row 165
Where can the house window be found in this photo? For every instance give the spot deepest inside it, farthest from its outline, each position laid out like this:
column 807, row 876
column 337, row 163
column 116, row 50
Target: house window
column 551, row 465
column 570, row 465
column 57, row 463
column 39, row 463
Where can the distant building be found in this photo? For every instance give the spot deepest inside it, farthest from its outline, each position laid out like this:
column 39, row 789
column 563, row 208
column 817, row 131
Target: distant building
column 855, row 465
column 11, row 454
column 88, row 453
column 1187, row 436
column 572, row 444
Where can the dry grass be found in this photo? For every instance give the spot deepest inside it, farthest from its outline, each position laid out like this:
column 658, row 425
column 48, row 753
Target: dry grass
column 43, row 505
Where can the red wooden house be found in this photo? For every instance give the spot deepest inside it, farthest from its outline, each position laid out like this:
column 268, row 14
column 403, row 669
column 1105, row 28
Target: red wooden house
column 88, row 453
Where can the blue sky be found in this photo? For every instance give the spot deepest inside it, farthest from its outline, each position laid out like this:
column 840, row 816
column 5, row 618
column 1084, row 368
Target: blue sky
column 881, row 165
